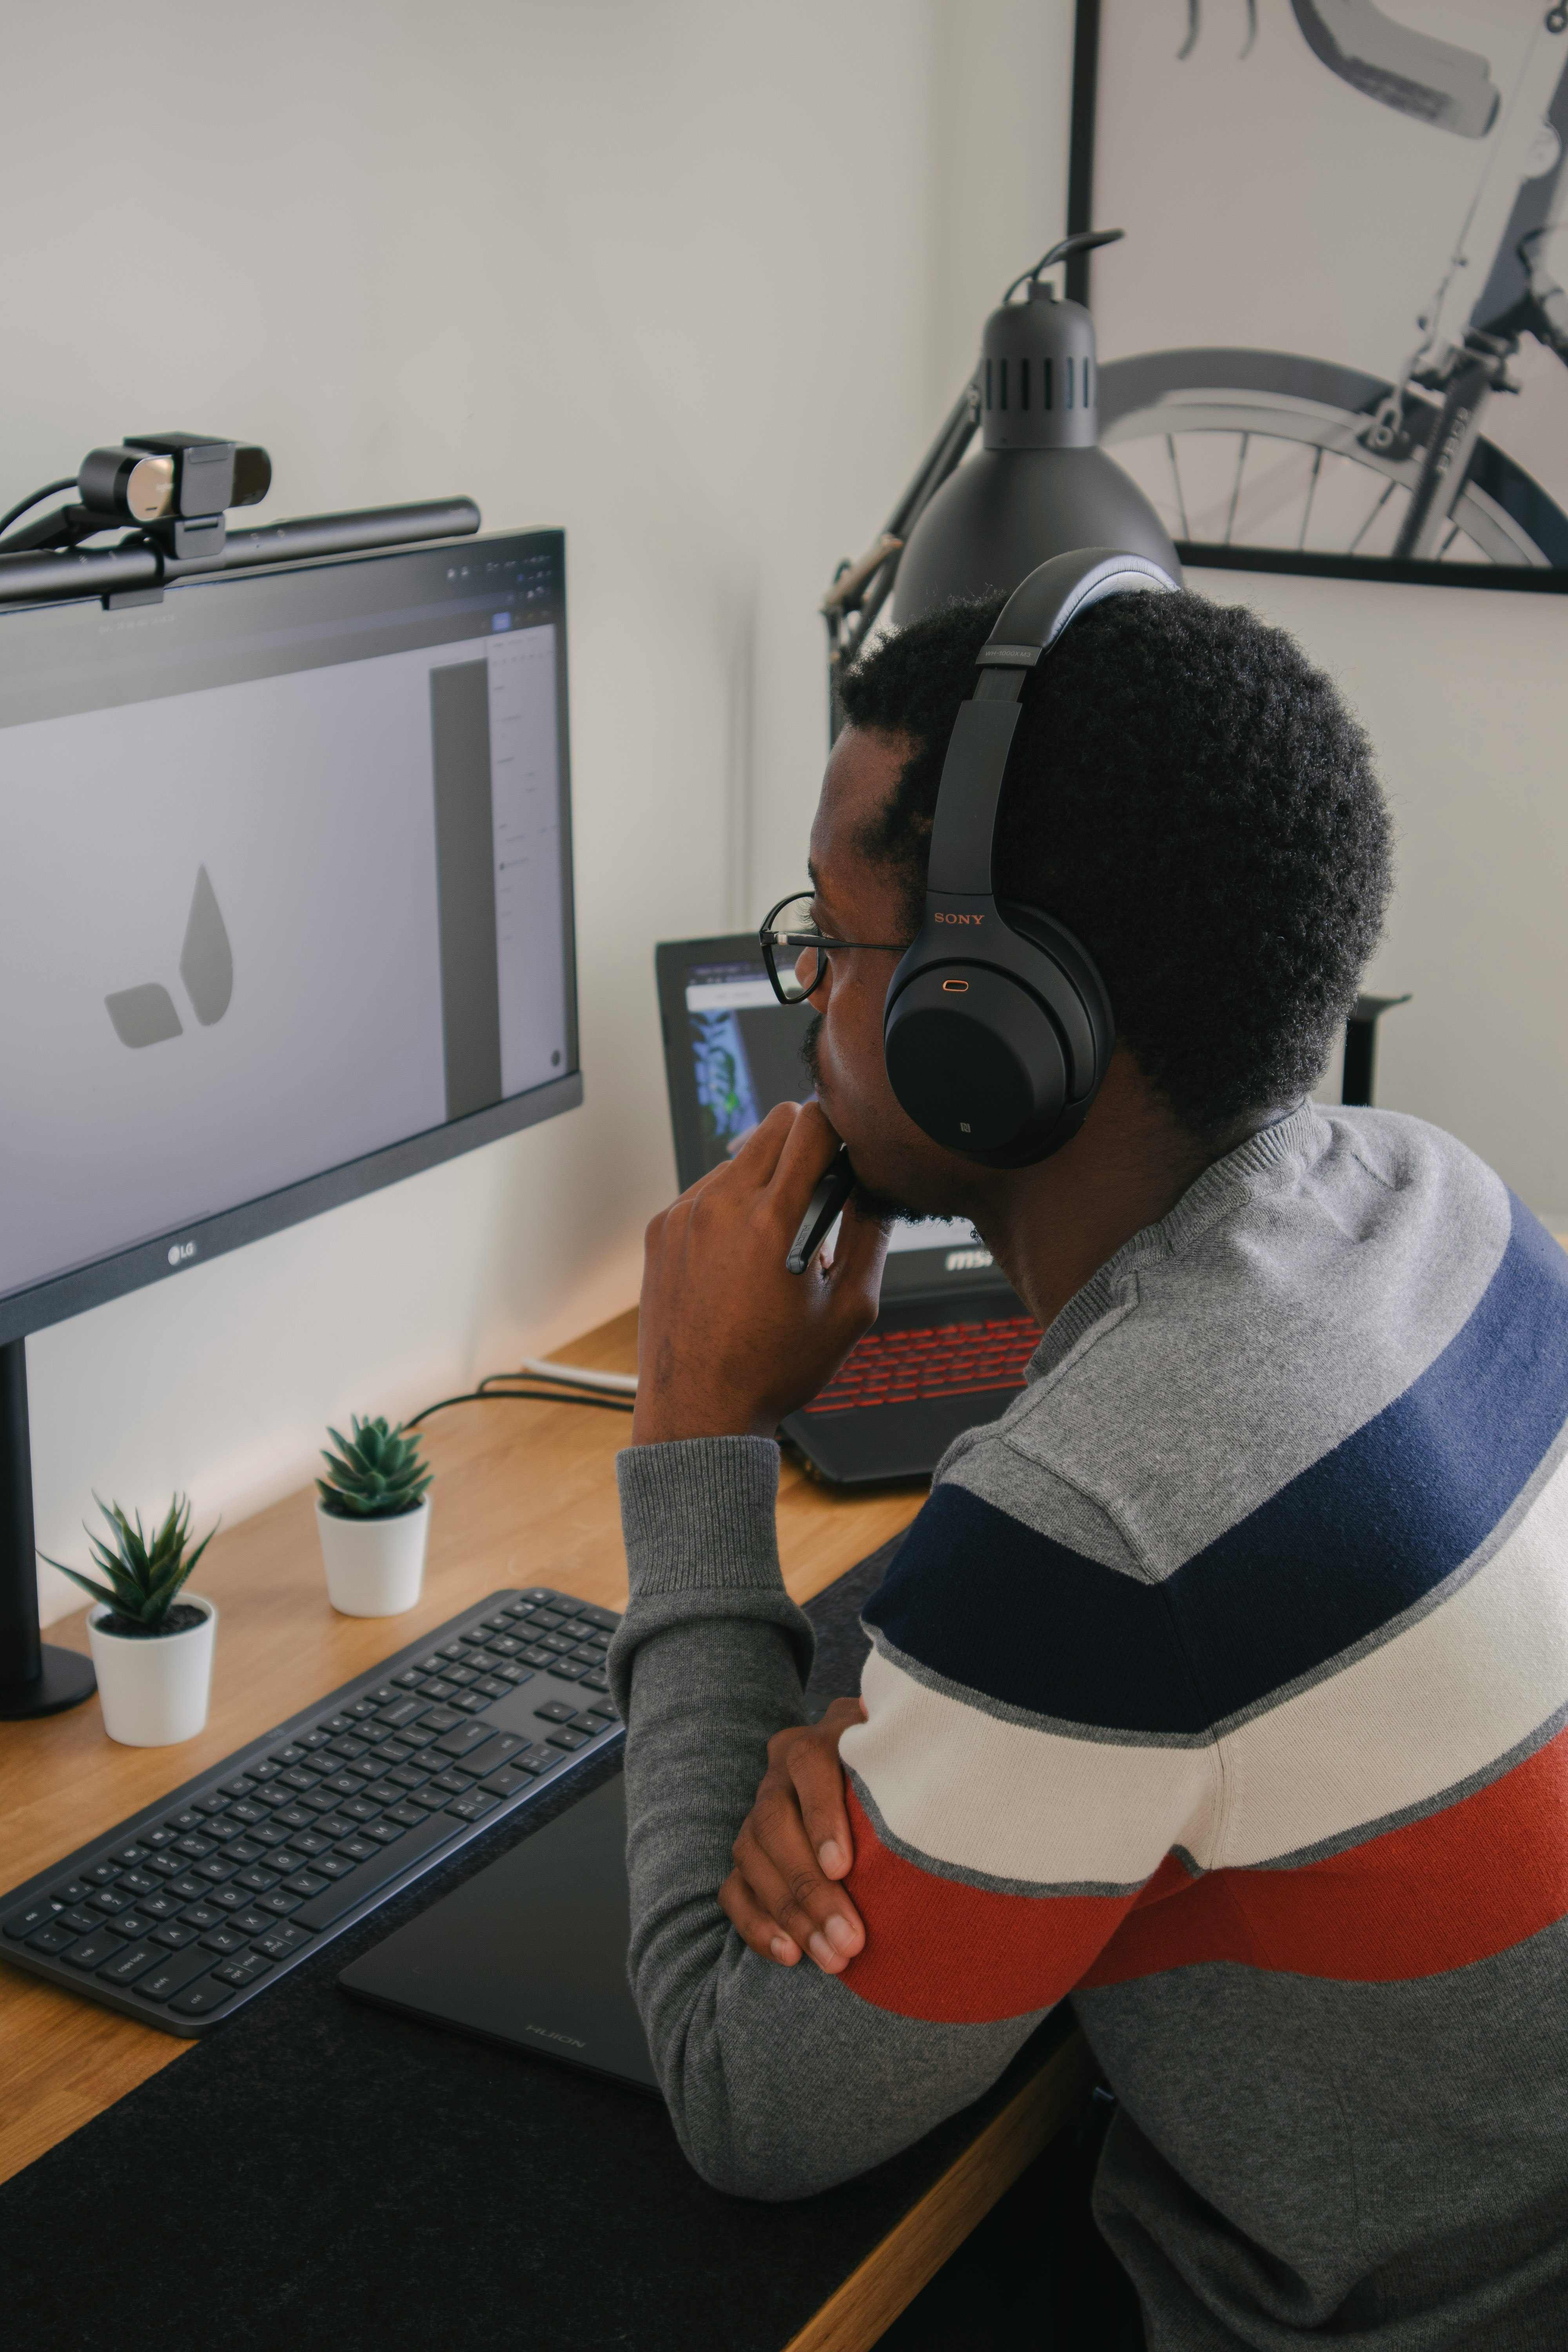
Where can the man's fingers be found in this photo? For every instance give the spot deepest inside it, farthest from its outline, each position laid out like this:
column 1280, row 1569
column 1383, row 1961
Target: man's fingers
column 754, row 1926
column 818, row 1914
column 818, row 1776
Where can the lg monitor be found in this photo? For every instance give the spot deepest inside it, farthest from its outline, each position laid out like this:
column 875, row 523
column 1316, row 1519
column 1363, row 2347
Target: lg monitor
column 285, row 915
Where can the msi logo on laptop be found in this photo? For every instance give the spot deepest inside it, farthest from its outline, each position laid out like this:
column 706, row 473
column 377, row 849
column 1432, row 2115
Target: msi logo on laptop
column 146, row 1016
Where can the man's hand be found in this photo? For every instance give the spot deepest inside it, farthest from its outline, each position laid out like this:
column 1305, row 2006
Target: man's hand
column 728, row 1341
column 781, row 1897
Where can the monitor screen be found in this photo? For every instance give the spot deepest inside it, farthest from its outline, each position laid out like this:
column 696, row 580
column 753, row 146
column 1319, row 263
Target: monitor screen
column 285, row 911
column 732, row 1052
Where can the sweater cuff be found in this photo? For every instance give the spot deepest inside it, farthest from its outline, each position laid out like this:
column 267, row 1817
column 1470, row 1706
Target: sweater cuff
column 698, row 1515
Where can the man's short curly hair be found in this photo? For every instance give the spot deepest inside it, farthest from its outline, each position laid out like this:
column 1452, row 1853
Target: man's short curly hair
column 1192, row 798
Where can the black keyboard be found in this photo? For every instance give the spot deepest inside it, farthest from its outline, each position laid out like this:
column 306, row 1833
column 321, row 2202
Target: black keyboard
column 201, row 1902
column 948, row 1360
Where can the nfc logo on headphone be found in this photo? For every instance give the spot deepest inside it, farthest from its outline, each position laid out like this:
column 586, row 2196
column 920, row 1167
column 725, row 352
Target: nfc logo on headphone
column 146, row 1016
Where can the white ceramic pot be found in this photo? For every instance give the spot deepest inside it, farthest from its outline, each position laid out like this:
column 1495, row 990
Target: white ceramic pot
column 375, row 1567
column 154, row 1687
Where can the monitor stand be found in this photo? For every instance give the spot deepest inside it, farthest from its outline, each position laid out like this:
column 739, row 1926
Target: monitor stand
column 35, row 1678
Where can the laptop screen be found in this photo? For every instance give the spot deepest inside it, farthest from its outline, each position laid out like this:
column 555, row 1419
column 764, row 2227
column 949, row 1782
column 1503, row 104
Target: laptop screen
column 731, row 1052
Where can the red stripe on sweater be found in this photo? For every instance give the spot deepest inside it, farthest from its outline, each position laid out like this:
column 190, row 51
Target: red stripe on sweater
column 958, row 1954
column 1439, row 1893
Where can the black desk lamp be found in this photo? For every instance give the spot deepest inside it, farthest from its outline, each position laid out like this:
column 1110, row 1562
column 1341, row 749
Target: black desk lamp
column 1040, row 485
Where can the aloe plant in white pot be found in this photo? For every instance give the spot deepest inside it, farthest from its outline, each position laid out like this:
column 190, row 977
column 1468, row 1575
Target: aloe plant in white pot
column 374, row 1515
column 152, row 1649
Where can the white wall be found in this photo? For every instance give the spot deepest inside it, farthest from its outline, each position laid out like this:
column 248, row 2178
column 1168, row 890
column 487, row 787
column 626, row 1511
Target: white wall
column 694, row 278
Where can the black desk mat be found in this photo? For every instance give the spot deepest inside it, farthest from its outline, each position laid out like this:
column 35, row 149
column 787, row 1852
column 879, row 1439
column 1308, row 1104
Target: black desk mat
column 329, row 2175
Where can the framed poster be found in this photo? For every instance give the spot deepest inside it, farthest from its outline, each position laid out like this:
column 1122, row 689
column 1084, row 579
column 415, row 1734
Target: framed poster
column 1335, row 339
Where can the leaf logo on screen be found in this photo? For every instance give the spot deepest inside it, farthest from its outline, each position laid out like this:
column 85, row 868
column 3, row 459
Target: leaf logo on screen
column 146, row 1016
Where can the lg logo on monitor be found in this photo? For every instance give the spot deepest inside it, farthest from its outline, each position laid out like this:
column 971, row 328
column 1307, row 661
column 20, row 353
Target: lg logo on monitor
column 146, row 1016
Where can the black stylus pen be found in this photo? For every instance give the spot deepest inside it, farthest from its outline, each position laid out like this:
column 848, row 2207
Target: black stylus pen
column 827, row 1202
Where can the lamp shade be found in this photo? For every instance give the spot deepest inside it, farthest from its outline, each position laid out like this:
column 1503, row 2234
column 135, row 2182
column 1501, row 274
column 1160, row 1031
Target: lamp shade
column 1039, row 484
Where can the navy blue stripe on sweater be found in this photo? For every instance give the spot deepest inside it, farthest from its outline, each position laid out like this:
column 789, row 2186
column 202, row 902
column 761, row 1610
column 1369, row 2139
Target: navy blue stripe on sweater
column 1339, row 1551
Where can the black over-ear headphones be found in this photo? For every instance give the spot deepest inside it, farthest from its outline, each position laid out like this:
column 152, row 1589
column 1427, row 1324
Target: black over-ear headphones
column 998, row 1028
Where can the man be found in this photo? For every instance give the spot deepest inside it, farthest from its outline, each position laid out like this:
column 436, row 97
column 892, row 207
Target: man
column 1220, row 1683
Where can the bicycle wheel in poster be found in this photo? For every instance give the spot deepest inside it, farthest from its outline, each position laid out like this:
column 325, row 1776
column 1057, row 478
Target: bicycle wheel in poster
column 1266, row 449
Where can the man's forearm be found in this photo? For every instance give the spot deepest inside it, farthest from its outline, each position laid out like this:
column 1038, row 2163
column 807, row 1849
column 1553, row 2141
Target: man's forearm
column 780, row 2080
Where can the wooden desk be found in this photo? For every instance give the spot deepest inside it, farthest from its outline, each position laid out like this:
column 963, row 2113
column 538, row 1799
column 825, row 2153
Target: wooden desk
column 525, row 1493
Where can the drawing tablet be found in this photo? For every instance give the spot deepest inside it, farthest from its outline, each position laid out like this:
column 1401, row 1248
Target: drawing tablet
column 531, row 1952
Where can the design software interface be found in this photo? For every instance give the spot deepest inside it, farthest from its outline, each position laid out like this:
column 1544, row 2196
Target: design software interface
column 286, row 881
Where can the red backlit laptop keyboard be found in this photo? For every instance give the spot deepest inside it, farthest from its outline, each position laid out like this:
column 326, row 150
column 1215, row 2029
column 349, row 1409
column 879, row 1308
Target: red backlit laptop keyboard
column 948, row 1360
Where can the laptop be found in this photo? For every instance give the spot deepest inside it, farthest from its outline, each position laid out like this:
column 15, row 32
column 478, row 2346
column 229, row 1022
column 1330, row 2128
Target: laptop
column 530, row 1953
column 950, row 1344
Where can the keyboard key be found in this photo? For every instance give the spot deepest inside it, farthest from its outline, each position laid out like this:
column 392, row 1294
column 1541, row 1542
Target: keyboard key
column 511, row 1777
column 511, row 1674
column 452, row 1783
column 332, row 1865
column 261, row 1773
column 304, row 1882
column 274, row 1834
column 330, row 1825
column 556, row 1710
column 223, row 1828
column 464, row 1739
column 226, row 1899
column 241, row 1787
column 505, row 1645
column 295, row 1817
column 491, row 1686
column 188, row 1889
column 258, row 1880
column 102, row 1874
column 92, row 1951
column 81, row 1922
column 570, row 1740
column 536, row 1658
column 203, row 1915
column 277, row 1903
column 605, row 1619
column 128, row 1856
column 155, row 1840
column 176, row 1935
column 474, row 1806
column 194, row 1848
column 359, row 1810
column 358, row 1849
column 594, row 1681
column 127, row 1966
column 167, row 1977
column 249, row 1815
column 52, row 1939
column 212, row 1800
column 109, row 1899
column 438, row 1719
column 472, row 1702
column 245, row 1849
column 244, row 1972
column 166, row 1865
column 306, row 1842
column 200, row 1999
column 134, row 1924
column 349, row 1746
column 310, row 1740
column 439, row 1688
column 282, row 1943
column 250, row 1922
column 401, row 1711
column 411, row 1678
column 343, row 1784
column 385, row 1831
column 77, row 1892
column 587, row 1723
column 567, row 1670
column 40, row 1913
column 297, row 1778
column 539, row 1757
column 223, row 1940
column 407, row 1815
column 545, row 1620
column 283, row 1757
column 217, row 1870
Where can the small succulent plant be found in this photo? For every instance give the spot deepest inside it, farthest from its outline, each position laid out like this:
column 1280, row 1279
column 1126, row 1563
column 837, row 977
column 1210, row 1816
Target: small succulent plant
column 377, row 1472
column 143, row 1573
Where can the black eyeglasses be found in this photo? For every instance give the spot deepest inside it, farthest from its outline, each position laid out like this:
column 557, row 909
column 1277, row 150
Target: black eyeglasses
column 788, row 936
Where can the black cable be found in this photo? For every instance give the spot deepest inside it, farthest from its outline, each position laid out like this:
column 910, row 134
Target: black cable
column 66, row 482
column 525, row 1396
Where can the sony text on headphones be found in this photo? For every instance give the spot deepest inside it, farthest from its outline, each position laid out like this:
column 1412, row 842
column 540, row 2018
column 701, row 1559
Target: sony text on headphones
column 998, row 1028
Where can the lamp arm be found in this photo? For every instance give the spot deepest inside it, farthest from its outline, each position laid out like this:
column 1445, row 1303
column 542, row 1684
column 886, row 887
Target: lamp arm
column 859, row 591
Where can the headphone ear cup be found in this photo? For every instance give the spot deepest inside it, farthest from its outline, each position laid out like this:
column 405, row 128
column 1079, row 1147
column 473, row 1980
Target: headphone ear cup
column 975, row 1060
